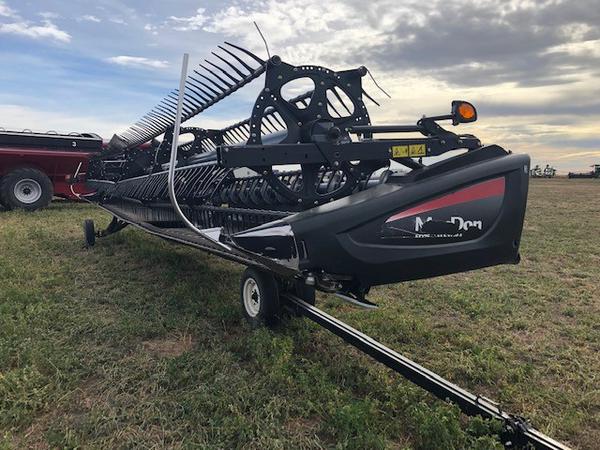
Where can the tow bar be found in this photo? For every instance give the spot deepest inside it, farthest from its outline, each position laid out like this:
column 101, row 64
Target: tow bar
column 517, row 431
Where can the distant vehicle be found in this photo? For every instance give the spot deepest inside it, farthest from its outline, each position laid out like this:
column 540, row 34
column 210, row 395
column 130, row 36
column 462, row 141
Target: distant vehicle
column 536, row 172
column 34, row 167
column 595, row 173
column 547, row 172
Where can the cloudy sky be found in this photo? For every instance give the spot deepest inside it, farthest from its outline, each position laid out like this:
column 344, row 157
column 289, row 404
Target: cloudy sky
column 531, row 67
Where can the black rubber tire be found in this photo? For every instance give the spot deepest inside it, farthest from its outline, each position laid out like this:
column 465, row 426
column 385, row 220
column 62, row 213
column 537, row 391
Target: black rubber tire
column 268, row 310
column 10, row 180
column 89, row 233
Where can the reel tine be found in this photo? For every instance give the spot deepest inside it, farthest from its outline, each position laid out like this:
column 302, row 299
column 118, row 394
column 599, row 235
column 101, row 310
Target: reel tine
column 268, row 119
column 237, row 58
column 227, row 74
column 218, row 86
column 150, row 123
column 215, row 93
column 236, row 132
column 247, row 52
column 245, row 134
column 172, row 101
column 226, row 83
column 333, row 89
column 275, row 116
column 164, row 120
column 230, row 69
column 152, row 130
column 159, row 119
column 186, row 101
column 187, row 95
column 197, row 102
column 204, row 99
column 227, row 138
column 185, row 104
column 264, row 125
column 148, row 118
column 167, row 104
column 238, row 71
column 369, row 97
column 161, row 107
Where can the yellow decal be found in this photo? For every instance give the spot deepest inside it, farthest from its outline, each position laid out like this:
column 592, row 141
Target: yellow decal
column 400, row 151
column 405, row 151
column 417, row 150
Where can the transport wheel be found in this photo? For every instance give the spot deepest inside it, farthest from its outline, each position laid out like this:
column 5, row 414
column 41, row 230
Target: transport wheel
column 89, row 233
column 26, row 188
column 260, row 297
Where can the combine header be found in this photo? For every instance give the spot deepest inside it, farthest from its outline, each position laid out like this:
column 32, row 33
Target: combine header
column 305, row 192
column 595, row 173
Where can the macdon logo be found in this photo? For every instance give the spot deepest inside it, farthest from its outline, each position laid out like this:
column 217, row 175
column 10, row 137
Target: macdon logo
column 463, row 225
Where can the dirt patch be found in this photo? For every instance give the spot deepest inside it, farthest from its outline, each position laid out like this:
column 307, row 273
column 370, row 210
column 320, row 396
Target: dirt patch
column 169, row 346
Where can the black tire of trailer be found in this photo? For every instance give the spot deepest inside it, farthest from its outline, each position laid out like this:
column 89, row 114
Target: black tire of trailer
column 259, row 296
column 26, row 188
column 89, row 233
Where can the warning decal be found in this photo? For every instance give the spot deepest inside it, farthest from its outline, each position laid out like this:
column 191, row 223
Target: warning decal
column 409, row 151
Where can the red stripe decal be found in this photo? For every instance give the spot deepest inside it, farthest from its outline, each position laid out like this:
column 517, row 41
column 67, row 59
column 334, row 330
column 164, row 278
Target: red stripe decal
column 491, row 188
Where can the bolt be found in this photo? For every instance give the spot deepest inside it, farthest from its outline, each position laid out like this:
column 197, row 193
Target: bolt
column 336, row 164
column 299, row 124
column 267, row 90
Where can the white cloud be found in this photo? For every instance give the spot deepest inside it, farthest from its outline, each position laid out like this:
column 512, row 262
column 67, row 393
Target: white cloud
column 117, row 20
column 308, row 32
column 90, row 18
column 192, row 23
column 49, row 15
column 46, row 31
column 5, row 10
column 138, row 61
column 151, row 28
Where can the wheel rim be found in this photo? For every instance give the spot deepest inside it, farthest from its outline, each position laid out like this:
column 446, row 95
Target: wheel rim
column 27, row 191
column 251, row 295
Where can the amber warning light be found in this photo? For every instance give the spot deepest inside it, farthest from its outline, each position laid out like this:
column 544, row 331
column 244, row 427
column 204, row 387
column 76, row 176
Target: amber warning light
column 463, row 112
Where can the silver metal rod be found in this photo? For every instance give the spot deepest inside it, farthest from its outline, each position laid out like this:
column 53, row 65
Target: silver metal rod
column 173, row 159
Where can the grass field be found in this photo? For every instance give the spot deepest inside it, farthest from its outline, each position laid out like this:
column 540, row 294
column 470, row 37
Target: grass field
column 140, row 343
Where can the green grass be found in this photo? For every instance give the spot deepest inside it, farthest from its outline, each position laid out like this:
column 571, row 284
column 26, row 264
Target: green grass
column 140, row 343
